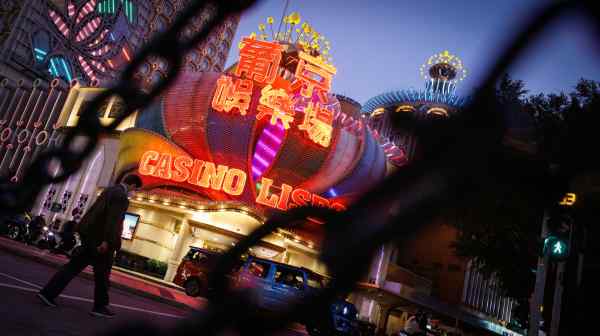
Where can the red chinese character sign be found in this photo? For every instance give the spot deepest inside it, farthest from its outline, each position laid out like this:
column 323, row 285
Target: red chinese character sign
column 313, row 74
column 280, row 98
column 277, row 104
column 259, row 60
column 231, row 94
column 266, row 134
column 318, row 123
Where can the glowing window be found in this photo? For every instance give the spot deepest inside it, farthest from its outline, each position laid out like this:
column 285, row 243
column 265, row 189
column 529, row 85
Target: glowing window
column 59, row 66
column 41, row 45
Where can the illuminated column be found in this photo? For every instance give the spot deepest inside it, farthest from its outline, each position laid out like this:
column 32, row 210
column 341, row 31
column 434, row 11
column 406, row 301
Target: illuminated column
column 379, row 265
column 178, row 251
column 87, row 185
column 384, row 315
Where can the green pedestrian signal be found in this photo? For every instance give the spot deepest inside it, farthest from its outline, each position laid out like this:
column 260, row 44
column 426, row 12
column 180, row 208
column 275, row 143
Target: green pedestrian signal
column 556, row 248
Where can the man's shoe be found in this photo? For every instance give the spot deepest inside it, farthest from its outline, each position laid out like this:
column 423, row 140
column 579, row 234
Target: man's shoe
column 48, row 302
column 102, row 312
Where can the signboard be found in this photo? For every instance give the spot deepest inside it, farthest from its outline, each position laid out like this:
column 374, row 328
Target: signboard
column 232, row 181
column 280, row 99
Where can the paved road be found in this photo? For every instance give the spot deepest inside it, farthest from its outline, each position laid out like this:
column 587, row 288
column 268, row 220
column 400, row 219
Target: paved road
column 22, row 314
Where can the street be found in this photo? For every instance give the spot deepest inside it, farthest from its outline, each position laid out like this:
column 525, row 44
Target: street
column 21, row 313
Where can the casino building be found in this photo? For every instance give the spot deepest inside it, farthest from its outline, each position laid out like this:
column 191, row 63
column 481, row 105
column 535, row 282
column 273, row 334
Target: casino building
column 221, row 151
column 417, row 274
column 48, row 45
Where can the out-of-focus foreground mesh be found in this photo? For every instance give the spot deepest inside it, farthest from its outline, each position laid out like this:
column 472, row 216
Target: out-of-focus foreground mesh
column 455, row 161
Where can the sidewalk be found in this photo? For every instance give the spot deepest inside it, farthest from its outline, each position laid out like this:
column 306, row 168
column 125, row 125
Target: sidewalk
column 126, row 280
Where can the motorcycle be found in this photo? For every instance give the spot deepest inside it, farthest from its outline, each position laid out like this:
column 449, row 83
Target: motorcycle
column 17, row 227
column 47, row 239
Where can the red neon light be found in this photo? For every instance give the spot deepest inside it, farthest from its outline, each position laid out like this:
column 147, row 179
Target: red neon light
column 313, row 73
column 232, row 181
column 259, row 60
column 277, row 104
column 126, row 54
column 318, row 123
column 230, row 94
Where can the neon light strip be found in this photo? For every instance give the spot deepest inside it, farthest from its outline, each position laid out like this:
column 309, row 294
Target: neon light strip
column 54, row 67
column 126, row 54
column 67, row 72
column 128, row 11
column 38, row 50
column 261, row 160
column 268, row 149
column 71, row 9
column 272, row 136
column 256, row 171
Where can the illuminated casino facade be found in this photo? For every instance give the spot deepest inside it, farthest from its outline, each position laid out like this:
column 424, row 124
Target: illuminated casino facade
column 220, row 151
column 91, row 40
column 442, row 72
column 46, row 46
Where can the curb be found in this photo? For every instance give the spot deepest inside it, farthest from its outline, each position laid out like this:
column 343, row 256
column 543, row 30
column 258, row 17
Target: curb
column 89, row 276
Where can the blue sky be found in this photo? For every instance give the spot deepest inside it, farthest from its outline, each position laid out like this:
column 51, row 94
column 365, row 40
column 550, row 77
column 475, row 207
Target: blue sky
column 379, row 45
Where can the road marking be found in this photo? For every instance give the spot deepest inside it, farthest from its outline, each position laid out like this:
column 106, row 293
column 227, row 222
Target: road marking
column 21, row 281
column 19, row 287
column 77, row 298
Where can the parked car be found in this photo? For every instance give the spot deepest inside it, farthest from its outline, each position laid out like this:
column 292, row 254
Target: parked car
column 274, row 285
column 192, row 273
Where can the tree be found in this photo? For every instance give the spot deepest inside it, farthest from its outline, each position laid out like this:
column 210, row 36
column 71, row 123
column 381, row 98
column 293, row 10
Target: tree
column 500, row 226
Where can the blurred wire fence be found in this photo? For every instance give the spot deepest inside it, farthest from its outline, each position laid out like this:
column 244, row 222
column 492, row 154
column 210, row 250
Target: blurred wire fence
column 455, row 162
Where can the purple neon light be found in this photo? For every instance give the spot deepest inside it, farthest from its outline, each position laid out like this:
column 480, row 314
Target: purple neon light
column 271, row 135
column 267, row 148
column 268, row 144
column 256, row 171
column 261, row 160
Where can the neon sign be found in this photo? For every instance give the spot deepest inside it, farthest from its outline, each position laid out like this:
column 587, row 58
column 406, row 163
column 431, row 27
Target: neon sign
column 232, row 181
column 280, row 98
column 569, row 199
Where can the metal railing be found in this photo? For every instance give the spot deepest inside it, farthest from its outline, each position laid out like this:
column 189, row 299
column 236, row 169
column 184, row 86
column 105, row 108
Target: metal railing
column 450, row 166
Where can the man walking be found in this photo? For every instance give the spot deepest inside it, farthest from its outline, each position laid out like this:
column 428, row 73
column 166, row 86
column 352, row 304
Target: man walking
column 100, row 230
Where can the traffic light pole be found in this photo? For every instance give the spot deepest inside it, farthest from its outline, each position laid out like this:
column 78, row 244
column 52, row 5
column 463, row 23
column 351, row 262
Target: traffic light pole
column 557, row 300
column 535, row 314
column 559, row 288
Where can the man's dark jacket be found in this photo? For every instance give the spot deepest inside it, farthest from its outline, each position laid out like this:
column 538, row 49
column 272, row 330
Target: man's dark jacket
column 104, row 220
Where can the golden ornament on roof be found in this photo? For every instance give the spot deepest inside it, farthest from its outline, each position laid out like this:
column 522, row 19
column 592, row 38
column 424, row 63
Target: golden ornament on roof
column 295, row 18
column 304, row 36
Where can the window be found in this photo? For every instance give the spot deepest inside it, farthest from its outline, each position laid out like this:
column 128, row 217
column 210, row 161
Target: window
column 259, row 268
column 289, row 277
column 59, row 66
column 315, row 281
column 41, row 45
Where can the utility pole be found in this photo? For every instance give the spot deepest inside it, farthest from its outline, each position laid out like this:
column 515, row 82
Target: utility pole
column 535, row 313
column 557, row 300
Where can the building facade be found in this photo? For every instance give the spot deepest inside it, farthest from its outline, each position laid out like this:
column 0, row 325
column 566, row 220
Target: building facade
column 417, row 275
column 211, row 174
column 48, row 47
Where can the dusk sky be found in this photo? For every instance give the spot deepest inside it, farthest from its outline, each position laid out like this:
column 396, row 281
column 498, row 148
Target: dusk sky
column 378, row 46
